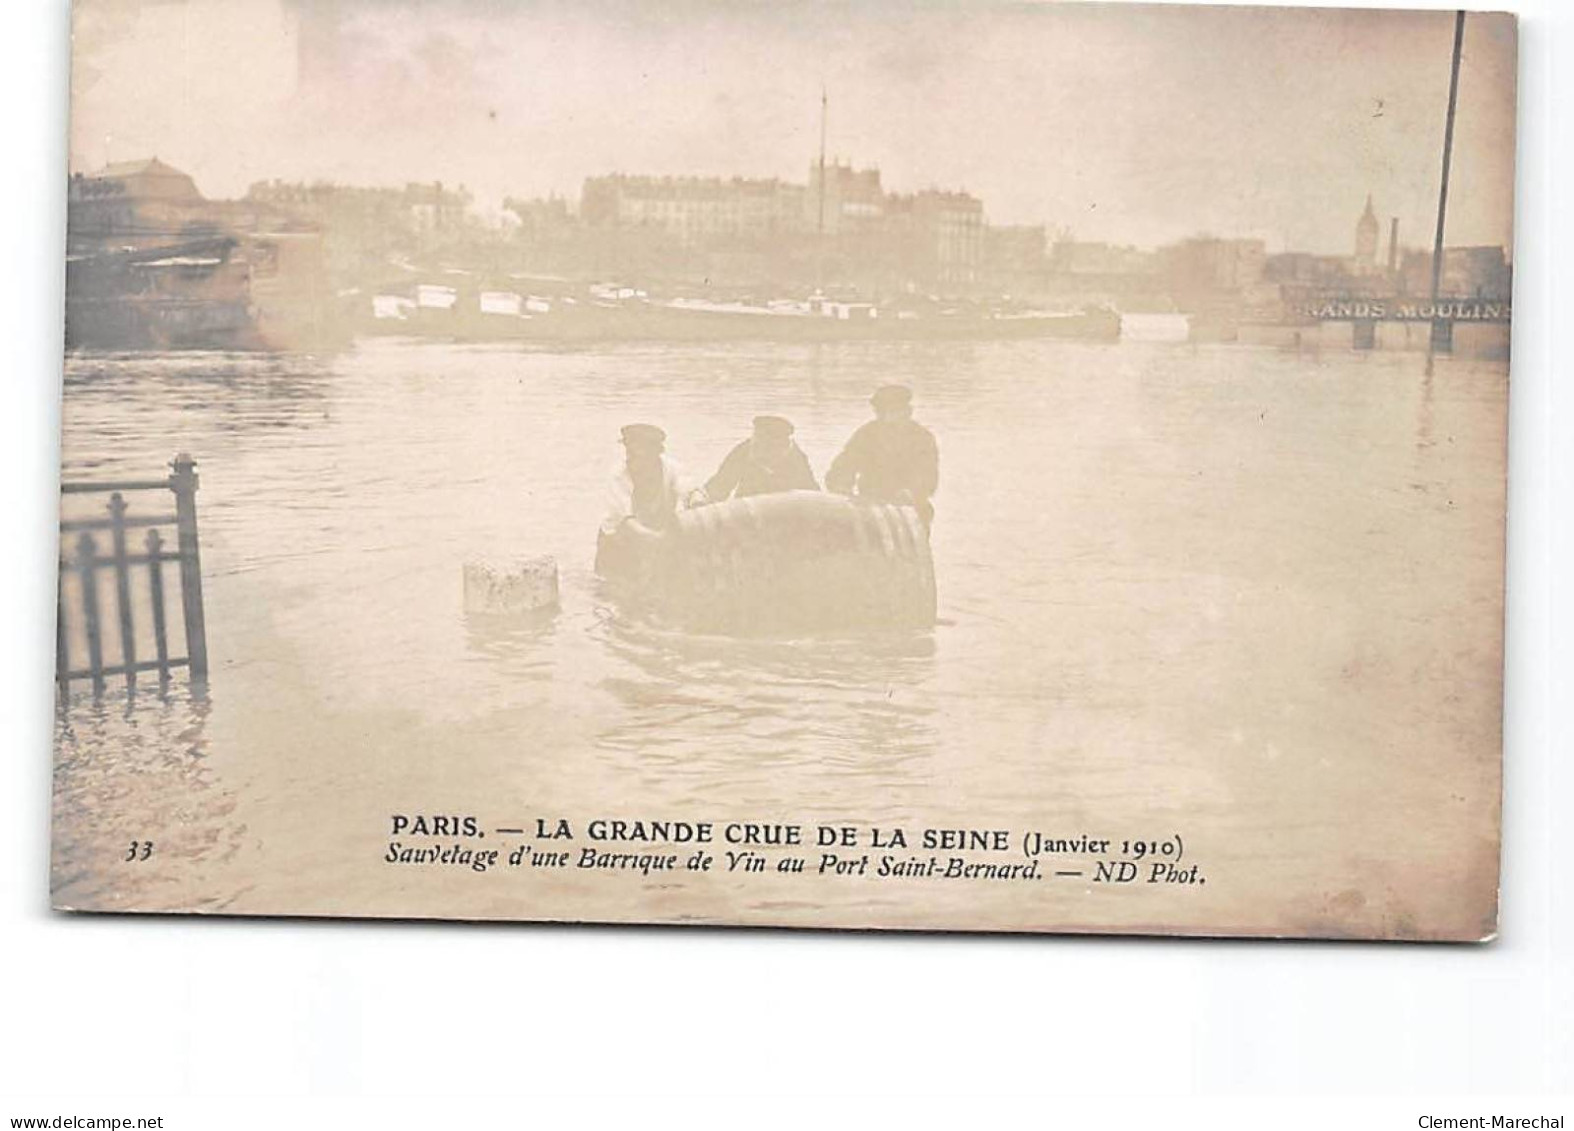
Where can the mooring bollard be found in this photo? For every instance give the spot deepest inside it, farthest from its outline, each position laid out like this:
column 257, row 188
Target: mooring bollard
column 510, row 590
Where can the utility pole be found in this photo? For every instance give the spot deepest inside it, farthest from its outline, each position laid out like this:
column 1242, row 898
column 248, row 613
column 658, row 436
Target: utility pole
column 819, row 239
column 1442, row 336
column 824, row 109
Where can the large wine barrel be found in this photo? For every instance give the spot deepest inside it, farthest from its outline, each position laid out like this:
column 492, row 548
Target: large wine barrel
column 781, row 563
column 798, row 561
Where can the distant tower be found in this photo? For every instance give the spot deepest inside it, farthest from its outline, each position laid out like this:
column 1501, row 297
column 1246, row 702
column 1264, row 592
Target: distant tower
column 1366, row 236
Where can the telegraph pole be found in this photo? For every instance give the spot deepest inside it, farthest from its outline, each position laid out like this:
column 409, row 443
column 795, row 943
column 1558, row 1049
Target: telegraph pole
column 1442, row 336
column 824, row 109
column 819, row 238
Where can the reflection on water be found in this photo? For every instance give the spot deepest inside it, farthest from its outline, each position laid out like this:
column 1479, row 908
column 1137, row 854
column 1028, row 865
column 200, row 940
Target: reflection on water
column 1173, row 584
column 136, row 791
column 864, row 701
column 229, row 394
column 516, row 646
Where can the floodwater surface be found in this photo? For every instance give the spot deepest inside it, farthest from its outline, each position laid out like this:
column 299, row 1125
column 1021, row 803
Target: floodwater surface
column 1245, row 596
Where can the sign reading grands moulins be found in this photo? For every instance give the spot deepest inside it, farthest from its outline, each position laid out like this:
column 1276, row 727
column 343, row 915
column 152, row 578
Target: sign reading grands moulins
column 536, row 478
column 1405, row 310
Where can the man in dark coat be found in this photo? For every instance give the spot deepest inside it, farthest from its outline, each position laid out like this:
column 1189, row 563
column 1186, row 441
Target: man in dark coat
column 767, row 462
column 891, row 459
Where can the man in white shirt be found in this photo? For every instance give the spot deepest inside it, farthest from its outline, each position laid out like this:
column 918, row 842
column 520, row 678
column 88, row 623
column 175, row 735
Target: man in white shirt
column 643, row 498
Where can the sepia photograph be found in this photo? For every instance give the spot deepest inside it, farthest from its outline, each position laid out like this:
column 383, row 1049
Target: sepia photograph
column 997, row 467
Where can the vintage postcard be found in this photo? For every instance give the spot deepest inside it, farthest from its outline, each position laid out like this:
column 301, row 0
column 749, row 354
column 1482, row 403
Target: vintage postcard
column 989, row 467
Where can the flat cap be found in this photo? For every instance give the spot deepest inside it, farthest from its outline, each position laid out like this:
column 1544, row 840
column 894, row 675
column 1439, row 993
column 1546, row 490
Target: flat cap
column 892, row 396
column 643, row 435
column 773, row 425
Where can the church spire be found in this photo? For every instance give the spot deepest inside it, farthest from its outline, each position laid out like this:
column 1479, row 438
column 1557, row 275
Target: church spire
column 1366, row 235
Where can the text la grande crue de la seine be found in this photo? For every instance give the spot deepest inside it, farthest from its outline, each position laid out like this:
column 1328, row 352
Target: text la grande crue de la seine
column 1114, row 858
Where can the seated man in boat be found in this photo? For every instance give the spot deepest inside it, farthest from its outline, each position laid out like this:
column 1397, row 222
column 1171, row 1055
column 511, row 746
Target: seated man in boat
column 766, row 462
column 643, row 498
column 892, row 458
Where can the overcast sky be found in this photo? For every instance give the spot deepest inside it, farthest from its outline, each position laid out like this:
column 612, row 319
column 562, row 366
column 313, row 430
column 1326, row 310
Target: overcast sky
column 1133, row 124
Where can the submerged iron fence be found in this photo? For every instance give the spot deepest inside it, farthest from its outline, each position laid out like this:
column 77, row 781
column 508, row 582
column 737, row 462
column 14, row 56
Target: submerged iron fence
column 85, row 561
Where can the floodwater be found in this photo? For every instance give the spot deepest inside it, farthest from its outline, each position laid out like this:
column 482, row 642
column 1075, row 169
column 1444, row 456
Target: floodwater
column 1245, row 596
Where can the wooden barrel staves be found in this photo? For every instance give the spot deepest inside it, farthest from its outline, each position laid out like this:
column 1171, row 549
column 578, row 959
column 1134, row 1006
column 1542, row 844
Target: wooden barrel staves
column 795, row 562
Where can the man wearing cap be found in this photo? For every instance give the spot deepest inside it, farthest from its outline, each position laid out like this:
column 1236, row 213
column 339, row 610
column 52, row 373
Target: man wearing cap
column 766, row 462
column 891, row 459
column 642, row 499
